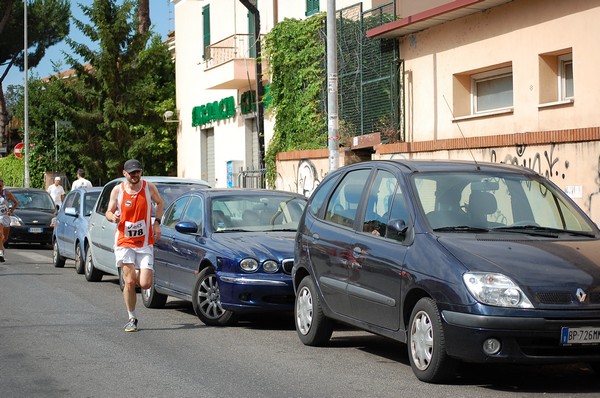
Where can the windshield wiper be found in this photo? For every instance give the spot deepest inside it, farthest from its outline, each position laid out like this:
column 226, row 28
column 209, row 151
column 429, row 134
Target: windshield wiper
column 461, row 228
column 542, row 231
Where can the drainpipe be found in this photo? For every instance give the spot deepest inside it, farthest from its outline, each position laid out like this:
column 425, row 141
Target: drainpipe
column 260, row 90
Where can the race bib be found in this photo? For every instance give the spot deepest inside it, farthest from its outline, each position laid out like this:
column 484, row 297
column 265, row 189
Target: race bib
column 135, row 229
column 3, row 209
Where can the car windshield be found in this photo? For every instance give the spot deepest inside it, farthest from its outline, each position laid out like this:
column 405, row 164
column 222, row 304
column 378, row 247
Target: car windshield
column 489, row 201
column 34, row 200
column 254, row 213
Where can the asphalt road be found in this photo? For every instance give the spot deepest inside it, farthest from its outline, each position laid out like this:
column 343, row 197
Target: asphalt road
column 61, row 336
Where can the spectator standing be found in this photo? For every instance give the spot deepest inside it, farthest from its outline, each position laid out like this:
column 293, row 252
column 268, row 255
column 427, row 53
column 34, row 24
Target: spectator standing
column 57, row 192
column 81, row 181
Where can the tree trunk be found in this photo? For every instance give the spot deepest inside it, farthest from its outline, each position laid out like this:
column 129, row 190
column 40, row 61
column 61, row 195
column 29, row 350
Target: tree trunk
column 144, row 16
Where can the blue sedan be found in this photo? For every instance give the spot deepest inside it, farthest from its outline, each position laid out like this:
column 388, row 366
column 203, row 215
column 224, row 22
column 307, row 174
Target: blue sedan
column 227, row 251
column 70, row 227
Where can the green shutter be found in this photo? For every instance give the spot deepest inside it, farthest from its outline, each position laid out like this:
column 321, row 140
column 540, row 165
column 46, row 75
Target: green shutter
column 312, row 7
column 205, row 29
column 252, row 37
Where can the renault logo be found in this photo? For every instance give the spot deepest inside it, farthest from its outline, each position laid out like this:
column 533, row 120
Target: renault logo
column 580, row 295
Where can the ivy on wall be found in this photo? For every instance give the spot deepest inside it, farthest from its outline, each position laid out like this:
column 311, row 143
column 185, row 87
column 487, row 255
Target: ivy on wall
column 295, row 51
column 13, row 171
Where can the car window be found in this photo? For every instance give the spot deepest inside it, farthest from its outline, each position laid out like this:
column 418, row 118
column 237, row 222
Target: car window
column 34, row 200
column 378, row 203
column 320, row 195
column 105, row 197
column 69, row 199
column 195, row 212
column 343, row 204
column 76, row 201
column 89, row 202
column 256, row 213
column 490, row 201
column 174, row 212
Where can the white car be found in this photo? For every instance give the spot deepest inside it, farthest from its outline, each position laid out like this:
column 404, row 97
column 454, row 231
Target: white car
column 100, row 236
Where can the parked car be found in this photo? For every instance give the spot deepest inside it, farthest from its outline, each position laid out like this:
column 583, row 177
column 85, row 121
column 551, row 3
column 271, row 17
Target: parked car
column 100, row 236
column 71, row 225
column 462, row 261
column 227, row 251
column 31, row 221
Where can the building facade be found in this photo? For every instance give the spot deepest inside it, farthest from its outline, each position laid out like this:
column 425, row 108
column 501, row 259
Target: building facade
column 509, row 81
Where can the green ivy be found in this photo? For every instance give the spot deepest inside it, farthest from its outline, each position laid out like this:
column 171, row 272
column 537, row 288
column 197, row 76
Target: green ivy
column 13, row 171
column 295, row 52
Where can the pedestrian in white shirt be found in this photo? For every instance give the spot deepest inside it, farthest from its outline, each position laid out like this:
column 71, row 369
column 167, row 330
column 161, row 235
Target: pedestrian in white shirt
column 81, row 181
column 57, row 192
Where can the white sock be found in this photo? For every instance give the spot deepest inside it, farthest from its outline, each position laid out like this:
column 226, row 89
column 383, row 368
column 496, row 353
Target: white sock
column 132, row 314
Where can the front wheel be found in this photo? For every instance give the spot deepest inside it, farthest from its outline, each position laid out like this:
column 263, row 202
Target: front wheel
column 206, row 300
column 79, row 260
column 427, row 345
column 152, row 299
column 57, row 259
column 91, row 273
column 313, row 328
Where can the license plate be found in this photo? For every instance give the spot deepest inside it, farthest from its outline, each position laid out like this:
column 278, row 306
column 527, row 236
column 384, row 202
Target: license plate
column 36, row 230
column 579, row 336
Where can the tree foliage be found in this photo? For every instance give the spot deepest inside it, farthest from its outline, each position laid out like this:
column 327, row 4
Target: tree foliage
column 295, row 52
column 113, row 103
column 47, row 24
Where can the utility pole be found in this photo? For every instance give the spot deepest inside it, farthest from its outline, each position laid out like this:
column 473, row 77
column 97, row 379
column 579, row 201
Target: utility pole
column 332, row 88
column 26, row 98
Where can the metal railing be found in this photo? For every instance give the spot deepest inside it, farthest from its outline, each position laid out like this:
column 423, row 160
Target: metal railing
column 252, row 178
column 237, row 46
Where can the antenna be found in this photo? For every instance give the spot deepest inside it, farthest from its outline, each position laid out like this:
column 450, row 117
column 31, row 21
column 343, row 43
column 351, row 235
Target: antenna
column 461, row 132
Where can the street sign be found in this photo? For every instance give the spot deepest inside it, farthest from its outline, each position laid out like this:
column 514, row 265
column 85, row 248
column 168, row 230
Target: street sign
column 18, row 150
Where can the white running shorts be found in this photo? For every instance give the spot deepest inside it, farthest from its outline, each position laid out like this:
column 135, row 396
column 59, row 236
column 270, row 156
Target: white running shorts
column 141, row 257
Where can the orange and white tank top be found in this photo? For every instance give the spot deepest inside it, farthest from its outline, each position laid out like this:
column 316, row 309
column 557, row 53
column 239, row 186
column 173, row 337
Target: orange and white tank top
column 135, row 228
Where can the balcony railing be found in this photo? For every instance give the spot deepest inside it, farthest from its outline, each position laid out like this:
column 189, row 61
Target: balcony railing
column 238, row 46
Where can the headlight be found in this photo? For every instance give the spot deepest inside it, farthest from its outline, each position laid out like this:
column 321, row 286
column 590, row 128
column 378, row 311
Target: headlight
column 249, row 264
column 15, row 221
column 270, row 266
column 495, row 289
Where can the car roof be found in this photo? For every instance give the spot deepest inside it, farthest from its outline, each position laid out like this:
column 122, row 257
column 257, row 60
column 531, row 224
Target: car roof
column 417, row 166
column 87, row 189
column 214, row 192
column 14, row 189
column 168, row 179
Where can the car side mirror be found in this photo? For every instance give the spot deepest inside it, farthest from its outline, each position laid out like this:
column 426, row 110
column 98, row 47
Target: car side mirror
column 71, row 211
column 186, row 227
column 396, row 229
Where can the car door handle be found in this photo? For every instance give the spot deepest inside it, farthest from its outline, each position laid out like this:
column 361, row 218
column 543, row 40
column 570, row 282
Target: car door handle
column 357, row 252
column 316, row 237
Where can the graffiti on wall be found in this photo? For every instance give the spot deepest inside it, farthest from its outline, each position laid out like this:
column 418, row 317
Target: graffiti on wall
column 546, row 163
column 307, row 178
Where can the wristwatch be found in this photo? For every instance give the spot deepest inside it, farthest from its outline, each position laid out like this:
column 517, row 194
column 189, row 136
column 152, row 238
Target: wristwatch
column 157, row 220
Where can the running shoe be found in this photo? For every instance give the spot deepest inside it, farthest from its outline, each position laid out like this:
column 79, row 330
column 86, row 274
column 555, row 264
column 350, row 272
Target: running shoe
column 2, row 256
column 131, row 325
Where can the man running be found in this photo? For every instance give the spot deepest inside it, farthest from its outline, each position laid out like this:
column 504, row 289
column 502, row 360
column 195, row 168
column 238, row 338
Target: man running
column 5, row 212
column 130, row 206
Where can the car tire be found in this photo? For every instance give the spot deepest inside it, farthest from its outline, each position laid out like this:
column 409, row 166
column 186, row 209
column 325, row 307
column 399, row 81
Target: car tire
column 312, row 326
column 91, row 273
column 57, row 259
column 206, row 300
column 426, row 344
column 79, row 260
column 152, row 299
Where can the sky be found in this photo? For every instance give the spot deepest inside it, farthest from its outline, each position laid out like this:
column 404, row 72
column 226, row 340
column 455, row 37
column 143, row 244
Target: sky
column 163, row 21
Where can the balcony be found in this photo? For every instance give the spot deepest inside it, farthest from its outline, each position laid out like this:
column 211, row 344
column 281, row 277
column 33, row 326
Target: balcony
column 231, row 63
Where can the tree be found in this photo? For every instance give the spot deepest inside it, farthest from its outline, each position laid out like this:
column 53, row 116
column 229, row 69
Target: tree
column 47, row 24
column 120, row 93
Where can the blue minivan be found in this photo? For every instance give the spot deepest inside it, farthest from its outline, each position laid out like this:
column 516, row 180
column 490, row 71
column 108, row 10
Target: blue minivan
column 462, row 261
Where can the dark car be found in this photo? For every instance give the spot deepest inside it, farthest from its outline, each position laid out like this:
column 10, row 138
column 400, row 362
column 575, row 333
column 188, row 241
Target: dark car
column 227, row 251
column 462, row 261
column 100, row 236
column 71, row 225
column 32, row 221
